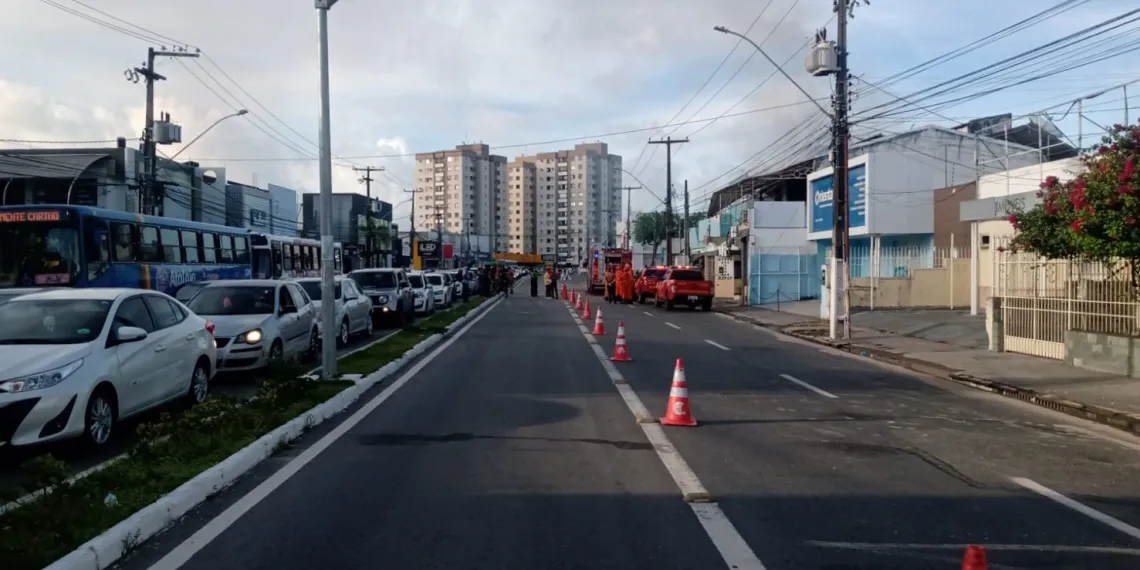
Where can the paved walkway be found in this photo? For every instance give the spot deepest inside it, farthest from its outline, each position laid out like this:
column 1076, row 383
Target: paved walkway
column 960, row 356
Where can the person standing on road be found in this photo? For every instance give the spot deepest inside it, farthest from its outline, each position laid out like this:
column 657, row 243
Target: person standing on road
column 547, row 280
column 626, row 287
column 610, row 286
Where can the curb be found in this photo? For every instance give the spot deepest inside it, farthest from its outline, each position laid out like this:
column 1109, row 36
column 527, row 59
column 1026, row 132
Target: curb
column 1129, row 422
column 106, row 549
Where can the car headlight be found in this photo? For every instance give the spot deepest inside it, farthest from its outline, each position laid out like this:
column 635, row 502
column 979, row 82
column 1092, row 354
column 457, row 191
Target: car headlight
column 419, row 294
column 251, row 337
column 41, row 380
column 382, row 299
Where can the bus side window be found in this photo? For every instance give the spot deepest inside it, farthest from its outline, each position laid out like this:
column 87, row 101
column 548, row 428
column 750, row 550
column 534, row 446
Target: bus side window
column 209, row 248
column 241, row 249
column 287, row 257
column 277, row 261
column 171, row 249
column 190, row 246
column 98, row 243
column 317, row 257
column 226, row 248
column 148, row 242
column 308, row 252
column 126, row 243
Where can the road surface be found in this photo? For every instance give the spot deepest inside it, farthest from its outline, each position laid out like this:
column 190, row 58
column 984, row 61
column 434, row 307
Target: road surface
column 511, row 448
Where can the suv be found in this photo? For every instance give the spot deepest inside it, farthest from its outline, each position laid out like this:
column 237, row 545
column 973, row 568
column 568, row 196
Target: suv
column 389, row 291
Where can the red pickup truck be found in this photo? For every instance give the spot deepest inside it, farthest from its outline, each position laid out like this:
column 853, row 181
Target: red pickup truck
column 645, row 288
column 684, row 285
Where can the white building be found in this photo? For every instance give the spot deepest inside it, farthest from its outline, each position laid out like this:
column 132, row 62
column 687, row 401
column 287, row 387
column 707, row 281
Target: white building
column 283, row 211
column 521, row 207
column 463, row 191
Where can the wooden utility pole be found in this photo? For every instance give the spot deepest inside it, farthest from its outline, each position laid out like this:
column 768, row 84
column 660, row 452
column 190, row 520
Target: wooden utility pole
column 367, row 180
column 669, row 142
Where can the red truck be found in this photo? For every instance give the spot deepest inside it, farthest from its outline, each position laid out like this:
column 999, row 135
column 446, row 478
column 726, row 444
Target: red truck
column 603, row 260
column 645, row 288
column 684, row 285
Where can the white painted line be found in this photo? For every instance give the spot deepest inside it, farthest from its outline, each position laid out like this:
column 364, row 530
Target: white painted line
column 726, row 539
column 795, row 380
column 717, row 344
column 181, row 554
column 647, row 313
column 1079, row 507
column 672, row 325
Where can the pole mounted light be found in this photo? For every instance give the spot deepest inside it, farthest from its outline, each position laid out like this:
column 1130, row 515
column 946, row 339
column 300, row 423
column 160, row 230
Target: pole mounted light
column 239, row 113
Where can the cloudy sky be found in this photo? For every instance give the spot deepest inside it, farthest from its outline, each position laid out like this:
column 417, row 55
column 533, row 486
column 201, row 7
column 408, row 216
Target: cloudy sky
column 524, row 76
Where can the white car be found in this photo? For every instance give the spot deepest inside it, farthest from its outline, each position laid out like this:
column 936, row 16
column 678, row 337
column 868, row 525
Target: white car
column 353, row 308
column 77, row 361
column 423, row 299
column 258, row 321
column 441, row 290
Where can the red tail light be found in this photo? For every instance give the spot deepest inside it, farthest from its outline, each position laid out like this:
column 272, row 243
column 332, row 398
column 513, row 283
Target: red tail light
column 209, row 327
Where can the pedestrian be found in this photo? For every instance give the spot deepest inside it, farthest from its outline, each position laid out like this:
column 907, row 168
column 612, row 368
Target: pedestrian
column 610, row 286
column 625, row 281
column 547, row 281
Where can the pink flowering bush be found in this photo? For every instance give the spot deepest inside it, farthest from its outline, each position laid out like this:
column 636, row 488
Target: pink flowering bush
column 1094, row 216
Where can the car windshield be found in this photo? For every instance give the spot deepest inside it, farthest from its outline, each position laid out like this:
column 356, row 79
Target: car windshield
column 37, row 252
column 313, row 288
column 187, row 291
column 435, row 279
column 654, row 273
column 52, row 321
column 417, row 281
column 687, row 275
column 374, row 279
column 234, row 300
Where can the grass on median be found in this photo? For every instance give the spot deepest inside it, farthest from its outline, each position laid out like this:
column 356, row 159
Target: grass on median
column 170, row 451
column 375, row 357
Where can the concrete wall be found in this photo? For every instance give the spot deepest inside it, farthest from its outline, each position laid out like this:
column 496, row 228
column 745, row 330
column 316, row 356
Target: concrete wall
column 943, row 287
column 1103, row 352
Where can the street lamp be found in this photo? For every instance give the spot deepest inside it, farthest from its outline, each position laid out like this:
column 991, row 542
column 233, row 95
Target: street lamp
column 239, row 113
column 328, row 310
column 725, row 30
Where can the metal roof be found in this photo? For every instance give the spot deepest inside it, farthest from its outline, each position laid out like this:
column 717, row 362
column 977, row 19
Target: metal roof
column 15, row 165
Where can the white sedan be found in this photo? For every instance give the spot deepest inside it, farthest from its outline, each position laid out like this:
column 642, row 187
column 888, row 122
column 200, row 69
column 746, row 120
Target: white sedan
column 76, row 361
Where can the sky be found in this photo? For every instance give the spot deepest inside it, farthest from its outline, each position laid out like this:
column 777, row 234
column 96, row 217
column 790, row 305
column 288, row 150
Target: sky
column 523, row 76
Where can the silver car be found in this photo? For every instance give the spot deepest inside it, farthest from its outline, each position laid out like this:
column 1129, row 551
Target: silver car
column 441, row 290
column 353, row 308
column 389, row 291
column 422, row 294
column 258, row 321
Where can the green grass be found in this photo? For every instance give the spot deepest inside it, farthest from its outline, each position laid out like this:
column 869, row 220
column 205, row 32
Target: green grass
column 171, row 451
column 375, row 357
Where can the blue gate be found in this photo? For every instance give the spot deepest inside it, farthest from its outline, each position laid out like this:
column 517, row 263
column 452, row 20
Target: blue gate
column 781, row 278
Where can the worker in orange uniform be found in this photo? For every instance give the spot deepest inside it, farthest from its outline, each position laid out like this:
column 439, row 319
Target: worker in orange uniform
column 627, row 284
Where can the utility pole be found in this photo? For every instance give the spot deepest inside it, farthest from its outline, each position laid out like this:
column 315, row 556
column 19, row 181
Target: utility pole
column 328, row 281
column 149, row 202
column 412, row 230
column 841, row 230
column 367, row 180
column 669, row 142
column 685, row 234
column 628, row 214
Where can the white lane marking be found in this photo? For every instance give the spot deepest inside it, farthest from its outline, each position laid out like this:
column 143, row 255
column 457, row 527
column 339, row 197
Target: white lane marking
column 795, row 380
column 733, row 549
column 647, row 313
column 716, row 344
column 672, row 325
column 1079, row 507
column 182, row 553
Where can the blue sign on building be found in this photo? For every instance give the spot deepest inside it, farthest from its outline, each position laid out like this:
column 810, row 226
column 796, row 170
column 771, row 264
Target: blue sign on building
column 823, row 199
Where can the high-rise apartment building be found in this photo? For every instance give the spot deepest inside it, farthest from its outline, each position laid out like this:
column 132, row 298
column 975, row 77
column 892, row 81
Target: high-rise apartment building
column 577, row 201
column 521, row 204
column 463, row 191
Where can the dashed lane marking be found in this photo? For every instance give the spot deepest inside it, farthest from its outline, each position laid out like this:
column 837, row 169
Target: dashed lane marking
column 716, row 344
column 1079, row 507
column 672, row 325
column 799, row 382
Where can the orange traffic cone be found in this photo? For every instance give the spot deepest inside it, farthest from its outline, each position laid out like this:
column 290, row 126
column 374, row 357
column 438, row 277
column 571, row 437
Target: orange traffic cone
column 621, row 353
column 577, row 301
column 599, row 326
column 975, row 558
column 563, row 291
column 586, row 311
column 678, row 412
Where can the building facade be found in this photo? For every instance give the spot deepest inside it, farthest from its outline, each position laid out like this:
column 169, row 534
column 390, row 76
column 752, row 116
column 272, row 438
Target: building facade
column 521, row 202
column 283, row 218
column 248, row 207
column 463, row 191
column 350, row 214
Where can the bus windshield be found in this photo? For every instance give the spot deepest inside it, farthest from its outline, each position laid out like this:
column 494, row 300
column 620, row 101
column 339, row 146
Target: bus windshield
column 38, row 253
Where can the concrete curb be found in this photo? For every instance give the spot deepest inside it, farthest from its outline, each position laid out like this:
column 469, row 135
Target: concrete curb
column 1107, row 416
column 105, row 549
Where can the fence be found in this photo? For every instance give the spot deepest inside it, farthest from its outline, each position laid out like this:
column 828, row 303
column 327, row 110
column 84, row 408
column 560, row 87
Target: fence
column 1043, row 299
column 782, row 278
column 909, row 276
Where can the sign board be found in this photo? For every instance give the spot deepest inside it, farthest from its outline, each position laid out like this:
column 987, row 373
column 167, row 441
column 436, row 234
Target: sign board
column 823, row 199
column 258, row 218
column 428, row 249
column 448, row 251
column 32, row 216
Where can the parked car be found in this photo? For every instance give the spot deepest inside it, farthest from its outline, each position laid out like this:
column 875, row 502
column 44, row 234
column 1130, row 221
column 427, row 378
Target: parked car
column 78, row 361
column 186, row 291
column 353, row 308
column 11, row 293
column 441, row 292
column 457, row 283
column 645, row 287
column 684, row 285
column 258, row 321
column 422, row 294
column 390, row 292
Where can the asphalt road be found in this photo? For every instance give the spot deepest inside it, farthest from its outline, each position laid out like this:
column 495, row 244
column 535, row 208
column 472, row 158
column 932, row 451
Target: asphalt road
column 511, row 448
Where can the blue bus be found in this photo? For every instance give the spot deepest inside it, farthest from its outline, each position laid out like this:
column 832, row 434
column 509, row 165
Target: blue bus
column 53, row 245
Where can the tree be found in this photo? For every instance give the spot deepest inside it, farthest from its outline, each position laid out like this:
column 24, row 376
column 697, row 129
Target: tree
column 649, row 229
column 1094, row 216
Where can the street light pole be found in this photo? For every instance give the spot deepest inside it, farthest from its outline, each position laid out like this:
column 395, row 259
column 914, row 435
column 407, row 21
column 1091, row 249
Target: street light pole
column 328, row 289
column 239, row 113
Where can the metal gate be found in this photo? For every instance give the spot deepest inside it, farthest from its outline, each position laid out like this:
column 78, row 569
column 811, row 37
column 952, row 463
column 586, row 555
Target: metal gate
column 776, row 278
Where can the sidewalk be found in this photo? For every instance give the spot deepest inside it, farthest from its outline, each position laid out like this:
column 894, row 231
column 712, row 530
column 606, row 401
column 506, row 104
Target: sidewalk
column 1105, row 398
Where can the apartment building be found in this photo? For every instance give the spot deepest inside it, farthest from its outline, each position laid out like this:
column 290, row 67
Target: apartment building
column 521, row 205
column 464, row 191
column 577, row 197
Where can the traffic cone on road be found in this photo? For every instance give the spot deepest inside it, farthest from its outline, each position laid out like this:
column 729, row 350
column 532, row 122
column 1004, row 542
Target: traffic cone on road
column 599, row 326
column 564, row 292
column 678, row 412
column 975, row 558
column 577, row 301
column 585, row 316
column 621, row 353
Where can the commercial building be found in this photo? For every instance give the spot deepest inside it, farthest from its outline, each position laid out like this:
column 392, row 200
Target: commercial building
column 283, row 211
column 247, row 207
column 463, row 191
column 350, row 227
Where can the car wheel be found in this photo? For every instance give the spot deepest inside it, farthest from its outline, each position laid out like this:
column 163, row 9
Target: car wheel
column 342, row 336
column 276, row 351
column 314, row 344
column 99, row 417
column 370, row 326
column 199, row 383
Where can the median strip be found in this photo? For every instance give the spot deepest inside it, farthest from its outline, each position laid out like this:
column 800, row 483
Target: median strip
column 183, row 459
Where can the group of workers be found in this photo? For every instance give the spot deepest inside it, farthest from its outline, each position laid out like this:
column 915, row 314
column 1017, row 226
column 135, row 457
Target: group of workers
column 619, row 284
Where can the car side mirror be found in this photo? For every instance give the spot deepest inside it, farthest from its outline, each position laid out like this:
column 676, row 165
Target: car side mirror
column 286, row 310
column 124, row 335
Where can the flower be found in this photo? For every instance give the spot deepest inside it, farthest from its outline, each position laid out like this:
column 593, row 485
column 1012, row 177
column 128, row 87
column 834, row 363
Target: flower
column 1076, row 226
